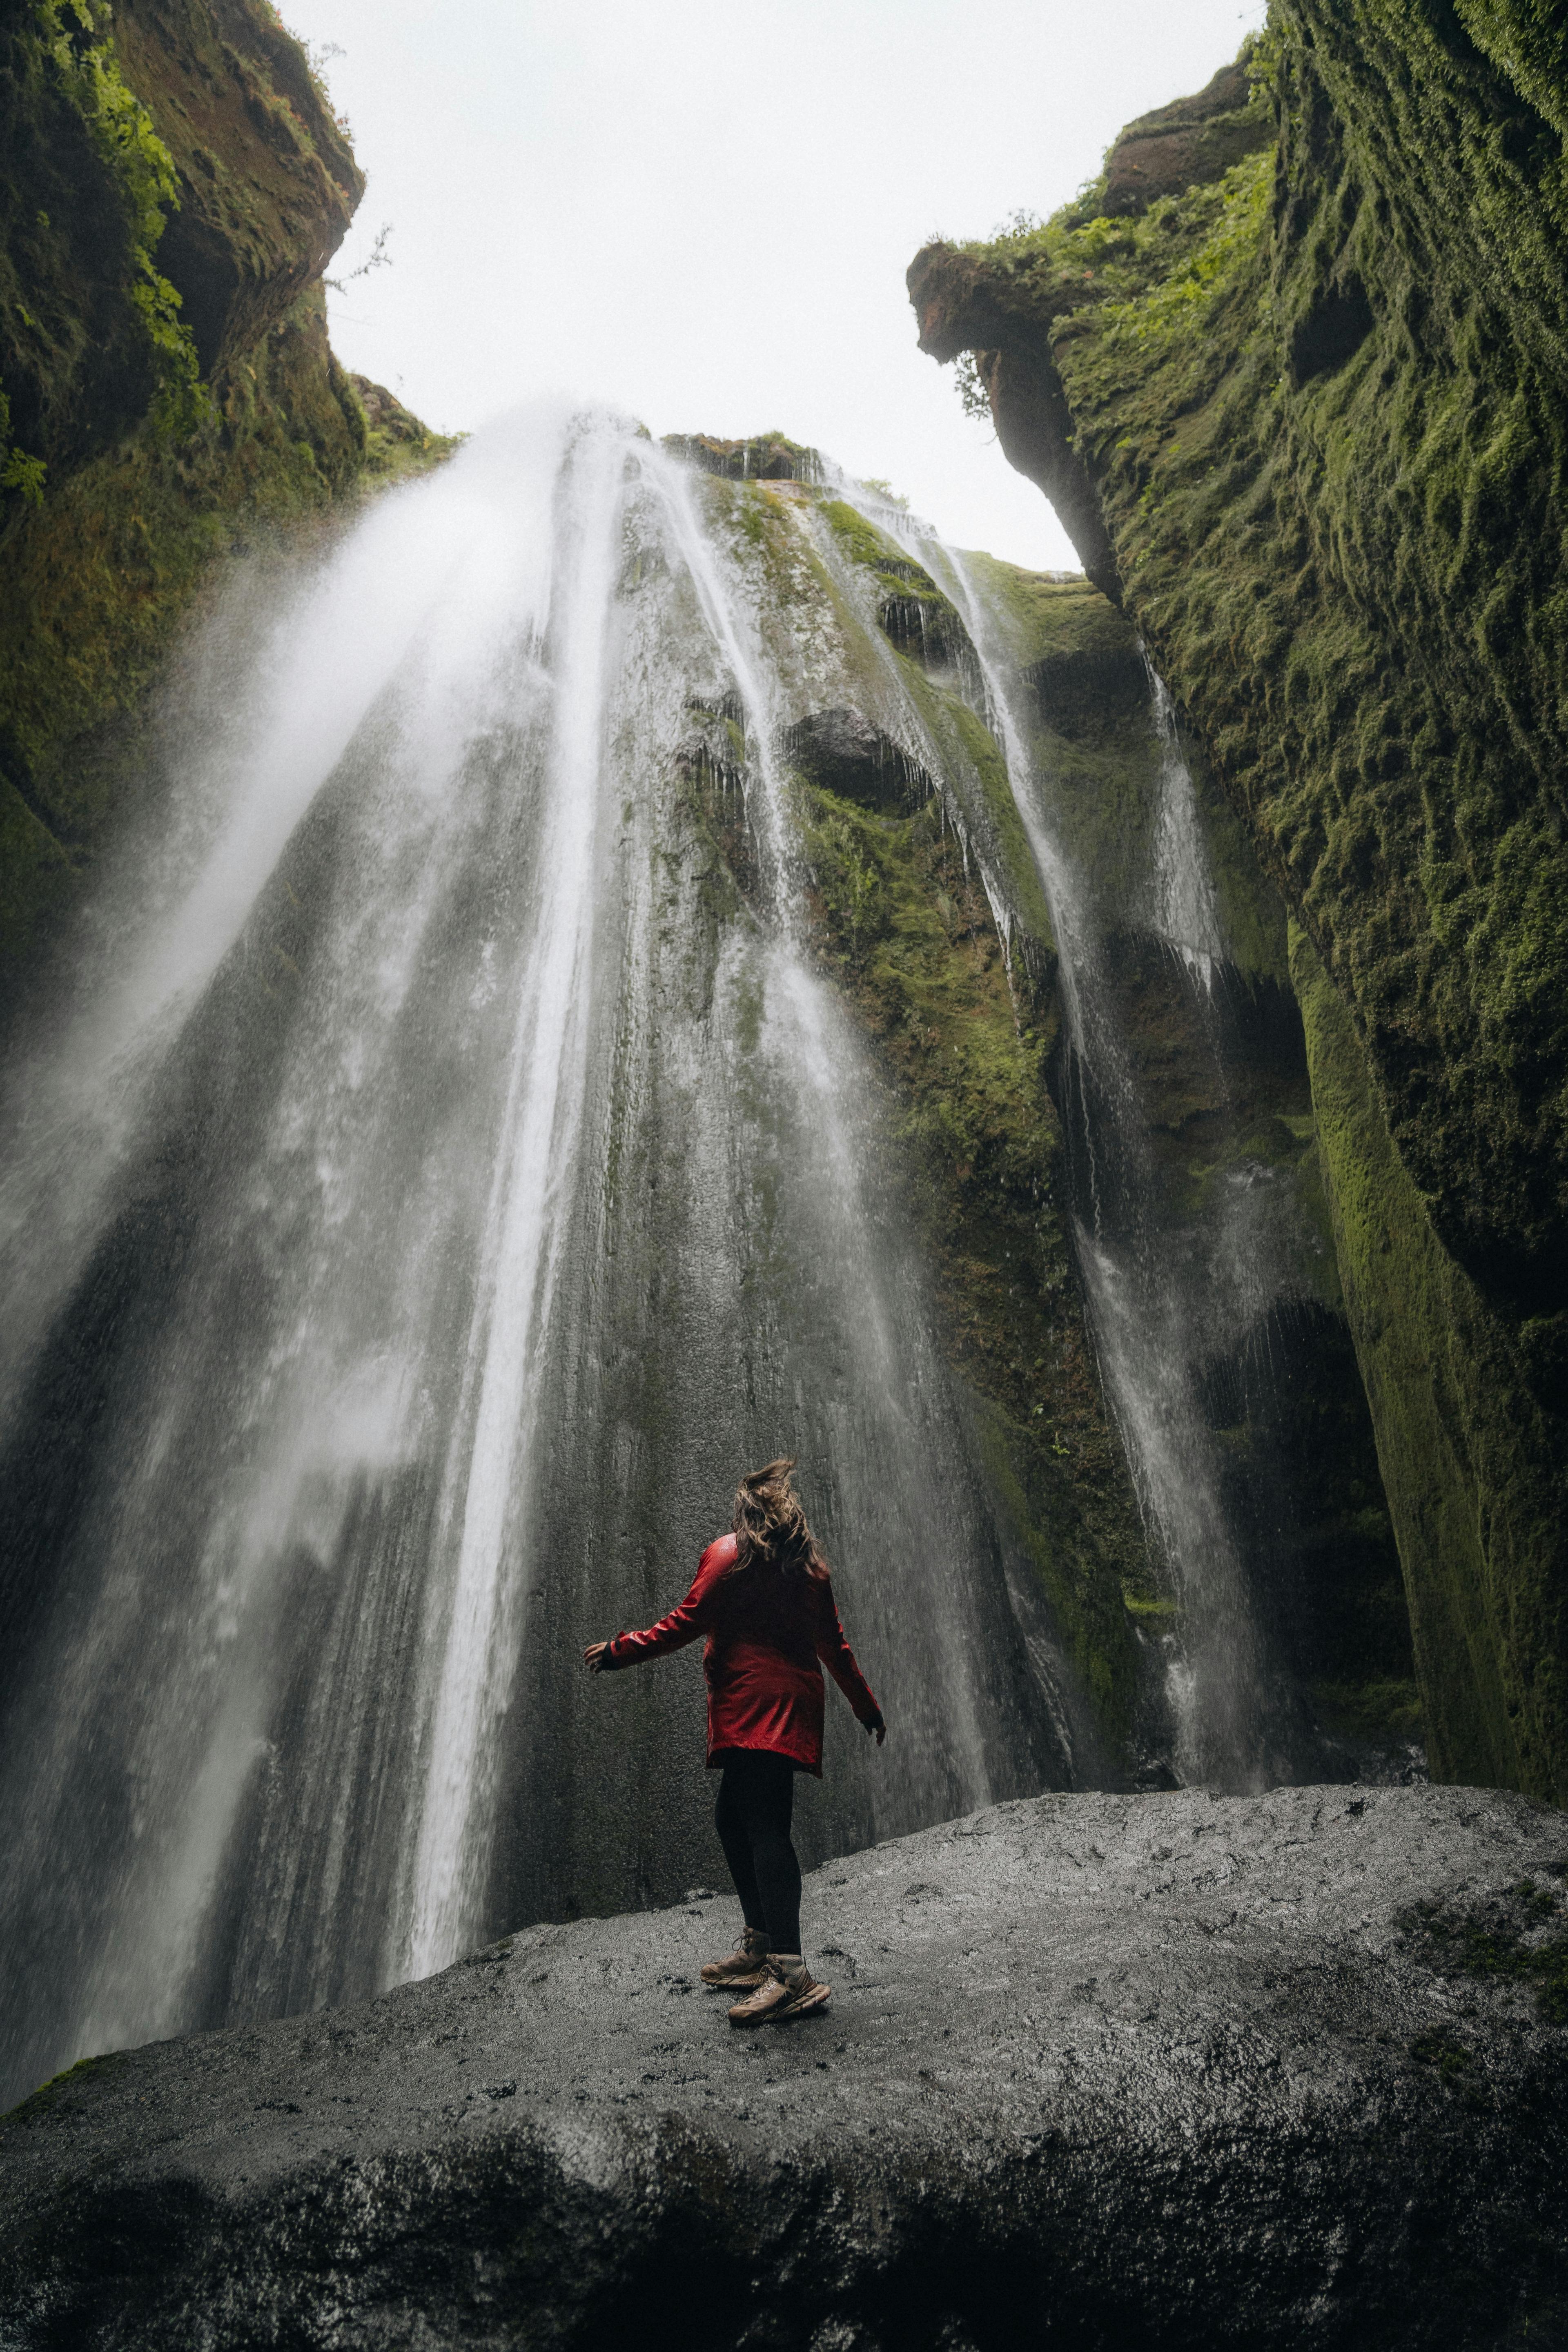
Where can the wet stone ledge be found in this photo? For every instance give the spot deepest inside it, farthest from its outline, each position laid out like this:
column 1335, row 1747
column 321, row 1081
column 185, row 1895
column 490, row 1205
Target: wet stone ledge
column 1115, row 2072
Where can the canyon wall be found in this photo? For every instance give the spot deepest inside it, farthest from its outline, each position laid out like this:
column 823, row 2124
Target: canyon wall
column 1293, row 373
column 173, row 184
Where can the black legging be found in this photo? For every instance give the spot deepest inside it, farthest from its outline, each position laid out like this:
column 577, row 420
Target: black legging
column 756, row 1799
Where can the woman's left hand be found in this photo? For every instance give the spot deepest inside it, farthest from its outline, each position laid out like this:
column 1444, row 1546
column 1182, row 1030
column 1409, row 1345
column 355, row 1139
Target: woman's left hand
column 593, row 1657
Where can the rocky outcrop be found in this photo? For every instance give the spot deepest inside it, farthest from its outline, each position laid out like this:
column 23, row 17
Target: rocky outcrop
column 1153, row 2072
column 988, row 1116
column 1309, row 404
column 176, row 148
column 763, row 458
column 1192, row 140
column 173, row 183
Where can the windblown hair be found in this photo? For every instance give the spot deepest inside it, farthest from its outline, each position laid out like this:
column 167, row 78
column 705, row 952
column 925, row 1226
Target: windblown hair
column 770, row 1526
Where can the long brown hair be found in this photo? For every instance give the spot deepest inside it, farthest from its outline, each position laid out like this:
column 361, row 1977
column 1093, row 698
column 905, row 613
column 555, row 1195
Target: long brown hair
column 770, row 1526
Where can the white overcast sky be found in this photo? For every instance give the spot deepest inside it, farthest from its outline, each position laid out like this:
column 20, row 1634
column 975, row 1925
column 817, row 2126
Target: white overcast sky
column 701, row 211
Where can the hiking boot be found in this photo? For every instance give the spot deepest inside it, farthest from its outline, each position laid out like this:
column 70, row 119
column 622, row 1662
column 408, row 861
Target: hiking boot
column 779, row 1997
column 747, row 1964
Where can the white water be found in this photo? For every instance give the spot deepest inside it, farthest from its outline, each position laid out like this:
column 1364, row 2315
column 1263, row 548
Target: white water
column 1185, row 913
column 422, row 1211
column 1152, row 1311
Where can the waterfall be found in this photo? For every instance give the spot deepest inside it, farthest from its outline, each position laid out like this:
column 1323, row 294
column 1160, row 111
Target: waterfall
column 440, row 1177
column 1184, row 913
column 1160, row 1300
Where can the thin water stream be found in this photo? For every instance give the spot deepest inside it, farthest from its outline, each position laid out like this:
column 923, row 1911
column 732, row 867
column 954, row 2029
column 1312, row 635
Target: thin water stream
column 1148, row 1308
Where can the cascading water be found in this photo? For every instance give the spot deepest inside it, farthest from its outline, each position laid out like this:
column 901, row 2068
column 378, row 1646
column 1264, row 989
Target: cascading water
column 442, row 1178
column 1185, row 914
column 1166, row 1296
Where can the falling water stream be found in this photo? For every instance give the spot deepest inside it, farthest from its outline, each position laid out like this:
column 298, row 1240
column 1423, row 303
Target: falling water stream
column 1150, row 1328
column 440, row 1176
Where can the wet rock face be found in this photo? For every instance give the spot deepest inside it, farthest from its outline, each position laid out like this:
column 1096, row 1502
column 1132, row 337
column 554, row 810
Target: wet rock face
column 268, row 181
column 1161, row 2070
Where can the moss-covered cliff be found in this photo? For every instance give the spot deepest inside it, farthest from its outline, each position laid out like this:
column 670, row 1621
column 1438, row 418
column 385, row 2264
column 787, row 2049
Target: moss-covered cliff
column 173, row 185
column 1297, row 386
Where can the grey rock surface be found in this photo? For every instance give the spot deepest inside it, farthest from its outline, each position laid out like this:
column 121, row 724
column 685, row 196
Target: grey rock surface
column 1099, row 2071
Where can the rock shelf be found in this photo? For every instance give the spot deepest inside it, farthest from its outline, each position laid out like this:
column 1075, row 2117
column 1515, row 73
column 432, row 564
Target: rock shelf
column 1168, row 2070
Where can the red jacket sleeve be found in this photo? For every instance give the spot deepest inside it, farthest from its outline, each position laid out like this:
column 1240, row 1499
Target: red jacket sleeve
column 839, row 1659
column 692, row 1619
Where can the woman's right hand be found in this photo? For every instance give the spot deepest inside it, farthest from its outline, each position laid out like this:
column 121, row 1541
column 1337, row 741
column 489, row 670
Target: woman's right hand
column 593, row 1657
column 879, row 1731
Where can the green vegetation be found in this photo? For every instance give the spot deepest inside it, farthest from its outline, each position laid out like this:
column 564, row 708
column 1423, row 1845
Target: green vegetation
column 48, row 2095
column 1485, row 1586
column 962, row 1034
column 1285, row 424
column 910, row 936
column 1372, row 1710
column 77, row 37
column 99, row 578
column 140, row 152
column 1452, row 2059
column 1315, row 397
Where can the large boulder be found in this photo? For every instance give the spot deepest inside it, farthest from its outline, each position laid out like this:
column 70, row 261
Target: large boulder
column 1099, row 2071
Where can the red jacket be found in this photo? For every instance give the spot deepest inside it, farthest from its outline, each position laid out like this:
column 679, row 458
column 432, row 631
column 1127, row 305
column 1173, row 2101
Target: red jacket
column 766, row 1634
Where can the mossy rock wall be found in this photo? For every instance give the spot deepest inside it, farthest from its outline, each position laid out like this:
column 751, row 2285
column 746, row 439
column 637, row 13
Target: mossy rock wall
column 1312, row 404
column 977, row 1061
column 173, row 184
column 1471, row 1467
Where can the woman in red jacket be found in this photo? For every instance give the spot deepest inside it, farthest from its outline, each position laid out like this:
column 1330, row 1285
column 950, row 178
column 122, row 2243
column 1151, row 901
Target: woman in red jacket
column 764, row 1600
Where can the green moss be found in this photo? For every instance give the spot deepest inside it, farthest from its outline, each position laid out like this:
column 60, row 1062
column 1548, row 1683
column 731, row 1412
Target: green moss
column 1471, row 1473
column 1371, row 1710
column 1046, row 618
column 1437, row 2048
column 76, row 36
column 1317, row 402
column 864, row 544
column 1320, row 431
column 916, row 616
column 133, row 146
column 908, row 934
column 47, row 2098
column 97, row 581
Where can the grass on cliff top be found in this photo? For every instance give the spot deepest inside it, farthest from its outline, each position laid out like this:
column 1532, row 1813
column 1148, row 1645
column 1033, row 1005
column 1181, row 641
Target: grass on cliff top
column 1166, row 261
